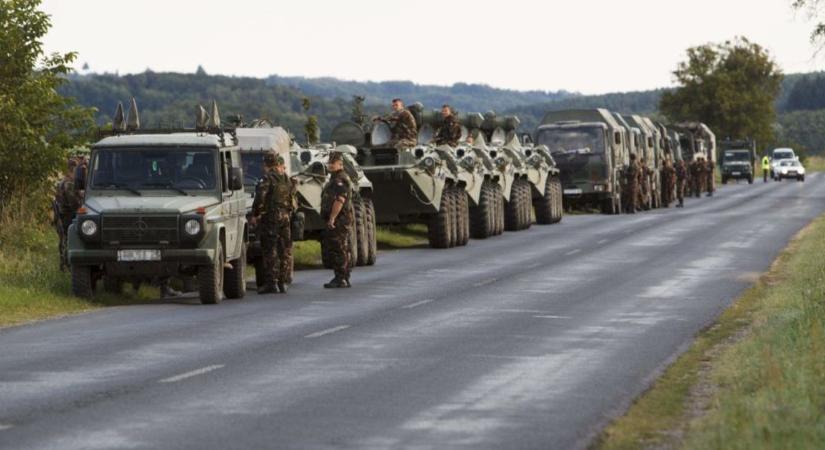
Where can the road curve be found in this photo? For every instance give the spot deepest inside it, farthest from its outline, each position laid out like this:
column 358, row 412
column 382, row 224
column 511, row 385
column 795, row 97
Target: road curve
column 530, row 340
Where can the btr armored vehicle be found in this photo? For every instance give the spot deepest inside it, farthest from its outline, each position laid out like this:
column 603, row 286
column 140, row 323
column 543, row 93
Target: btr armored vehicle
column 590, row 149
column 160, row 204
column 738, row 161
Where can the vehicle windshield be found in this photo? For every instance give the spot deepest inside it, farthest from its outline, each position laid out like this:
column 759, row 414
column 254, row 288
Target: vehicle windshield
column 253, row 168
column 737, row 156
column 154, row 169
column 788, row 163
column 588, row 140
column 783, row 155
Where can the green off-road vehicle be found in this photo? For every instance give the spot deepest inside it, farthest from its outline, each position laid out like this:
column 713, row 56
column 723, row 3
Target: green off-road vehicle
column 738, row 160
column 161, row 204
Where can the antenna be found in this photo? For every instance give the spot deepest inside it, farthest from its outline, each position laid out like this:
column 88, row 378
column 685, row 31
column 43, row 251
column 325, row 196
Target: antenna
column 118, row 122
column 133, row 120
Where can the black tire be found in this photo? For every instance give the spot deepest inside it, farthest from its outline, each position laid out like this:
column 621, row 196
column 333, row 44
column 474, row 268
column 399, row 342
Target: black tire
column 499, row 217
column 463, row 207
column 112, row 285
column 526, row 205
column 372, row 243
column 545, row 206
column 234, row 285
column 512, row 209
column 82, row 283
column 452, row 196
column 558, row 200
column 259, row 272
column 361, row 232
column 480, row 214
column 210, row 280
column 439, row 231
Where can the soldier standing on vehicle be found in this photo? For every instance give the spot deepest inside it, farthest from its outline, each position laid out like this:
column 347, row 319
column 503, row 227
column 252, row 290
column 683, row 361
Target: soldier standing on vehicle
column 449, row 133
column 403, row 126
column 631, row 185
column 273, row 206
column 766, row 168
column 66, row 200
column 709, row 177
column 668, row 182
column 681, row 182
column 336, row 212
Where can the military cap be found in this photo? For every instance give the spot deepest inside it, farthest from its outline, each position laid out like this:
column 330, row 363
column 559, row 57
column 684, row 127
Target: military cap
column 336, row 156
column 272, row 159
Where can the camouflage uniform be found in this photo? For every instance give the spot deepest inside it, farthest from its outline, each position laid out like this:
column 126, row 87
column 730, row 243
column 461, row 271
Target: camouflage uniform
column 681, row 182
column 336, row 240
column 668, row 183
column 709, row 180
column 404, row 129
column 631, row 186
column 696, row 177
column 449, row 133
column 67, row 200
column 644, row 183
column 274, row 203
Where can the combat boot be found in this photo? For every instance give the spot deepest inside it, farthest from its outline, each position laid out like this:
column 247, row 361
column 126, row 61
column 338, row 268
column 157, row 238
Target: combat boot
column 336, row 283
column 346, row 281
column 282, row 287
column 267, row 289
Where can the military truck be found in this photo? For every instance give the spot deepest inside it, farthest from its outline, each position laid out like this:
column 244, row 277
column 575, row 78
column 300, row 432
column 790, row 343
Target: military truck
column 590, row 149
column 411, row 185
column 160, row 204
column 650, row 151
column 738, row 160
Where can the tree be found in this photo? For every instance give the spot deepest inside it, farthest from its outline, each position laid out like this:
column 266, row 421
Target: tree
column 730, row 86
column 313, row 134
column 37, row 125
column 814, row 10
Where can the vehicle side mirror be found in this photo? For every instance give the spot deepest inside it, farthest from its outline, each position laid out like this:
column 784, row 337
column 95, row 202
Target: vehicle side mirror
column 235, row 178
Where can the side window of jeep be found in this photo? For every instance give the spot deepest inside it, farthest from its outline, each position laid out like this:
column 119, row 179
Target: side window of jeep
column 224, row 172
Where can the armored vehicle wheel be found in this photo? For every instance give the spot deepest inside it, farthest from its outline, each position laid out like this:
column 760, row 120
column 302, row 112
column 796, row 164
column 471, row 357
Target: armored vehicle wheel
column 545, row 206
column 512, row 209
column 481, row 215
column 558, row 201
column 526, row 199
column 361, row 232
column 498, row 210
column 235, row 278
column 463, row 208
column 372, row 247
column 82, row 283
column 439, row 230
column 210, row 280
column 259, row 272
column 112, row 285
column 451, row 194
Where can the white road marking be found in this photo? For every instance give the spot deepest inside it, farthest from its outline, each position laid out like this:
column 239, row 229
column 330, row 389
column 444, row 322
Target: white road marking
column 191, row 374
column 327, row 331
column 417, row 304
column 485, row 283
column 603, row 241
column 551, row 317
column 5, row 426
column 572, row 252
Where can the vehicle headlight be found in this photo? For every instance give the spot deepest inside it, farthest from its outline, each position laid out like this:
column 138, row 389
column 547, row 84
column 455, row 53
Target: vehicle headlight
column 500, row 162
column 192, row 227
column 88, row 227
column 428, row 162
column 598, row 187
column 468, row 162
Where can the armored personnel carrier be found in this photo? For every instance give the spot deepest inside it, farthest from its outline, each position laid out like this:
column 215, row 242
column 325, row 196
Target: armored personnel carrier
column 160, row 204
column 590, row 149
column 411, row 185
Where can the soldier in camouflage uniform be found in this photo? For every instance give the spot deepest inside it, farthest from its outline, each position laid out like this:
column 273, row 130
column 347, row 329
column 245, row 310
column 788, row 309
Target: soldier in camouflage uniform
column 709, row 177
column 449, row 133
column 273, row 206
column 67, row 199
column 668, row 182
column 681, row 182
column 403, row 126
column 645, row 189
column 631, row 185
column 696, row 177
column 337, row 213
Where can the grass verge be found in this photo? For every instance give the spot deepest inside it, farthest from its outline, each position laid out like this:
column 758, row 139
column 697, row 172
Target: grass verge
column 755, row 379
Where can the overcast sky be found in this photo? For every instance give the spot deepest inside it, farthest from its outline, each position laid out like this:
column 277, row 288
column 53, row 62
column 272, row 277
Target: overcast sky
column 584, row 45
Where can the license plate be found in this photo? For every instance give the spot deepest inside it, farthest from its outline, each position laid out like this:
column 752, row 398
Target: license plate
column 138, row 255
column 792, row 172
column 736, row 174
column 572, row 191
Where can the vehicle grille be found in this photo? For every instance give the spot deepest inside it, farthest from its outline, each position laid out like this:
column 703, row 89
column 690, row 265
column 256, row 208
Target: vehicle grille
column 385, row 157
column 139, row 229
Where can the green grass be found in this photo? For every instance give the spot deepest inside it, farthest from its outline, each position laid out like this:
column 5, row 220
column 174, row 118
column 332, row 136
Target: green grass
column 755, row 379
column 401, row 236
column 815, row 164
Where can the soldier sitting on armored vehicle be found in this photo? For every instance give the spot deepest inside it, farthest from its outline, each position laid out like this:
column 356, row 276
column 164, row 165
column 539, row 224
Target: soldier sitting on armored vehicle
column 449, row 133
column 403, row 126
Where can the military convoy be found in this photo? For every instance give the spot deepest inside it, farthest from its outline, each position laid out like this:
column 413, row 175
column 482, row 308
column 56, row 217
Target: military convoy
column 174, row 203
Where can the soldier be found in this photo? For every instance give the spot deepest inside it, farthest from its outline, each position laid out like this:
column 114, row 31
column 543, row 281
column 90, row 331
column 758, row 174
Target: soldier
column 668, row 182
column 681, row 181
column 336, row 211
column 645, row 189
column 631, row 185
column 449, row 133
column 402, row 123
column 696, row 176
column 273, row 206
column 67, row 200
column 709, row 177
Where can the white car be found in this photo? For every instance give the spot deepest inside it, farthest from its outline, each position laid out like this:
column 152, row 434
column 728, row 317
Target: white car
column 790, row 169
column 778, row 155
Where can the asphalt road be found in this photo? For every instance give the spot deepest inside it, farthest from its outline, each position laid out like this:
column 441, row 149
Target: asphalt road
column 531, row 340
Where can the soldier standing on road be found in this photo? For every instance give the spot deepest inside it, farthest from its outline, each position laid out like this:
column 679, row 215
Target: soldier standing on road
column 67, row 200
column 273, row 206
column 403, row 126
column 644, row 183
column 766, row 168
column 336, row 212
column 631, row 185
column 709, row 177
column 449, row 133
column 696, row 169
column 681, row 181
column 668, row 182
